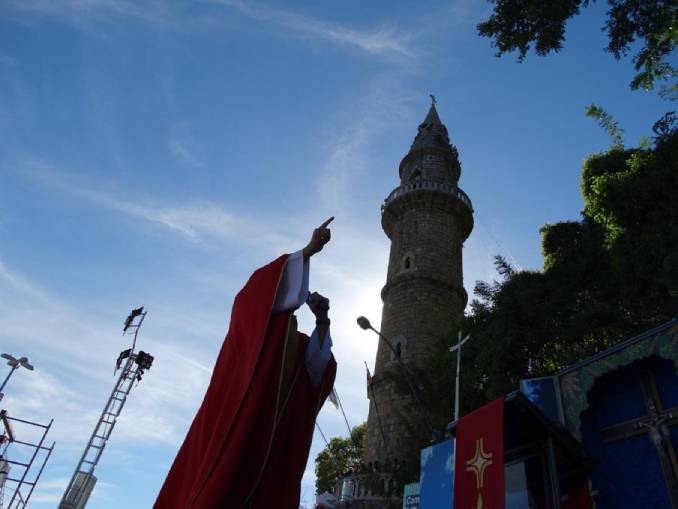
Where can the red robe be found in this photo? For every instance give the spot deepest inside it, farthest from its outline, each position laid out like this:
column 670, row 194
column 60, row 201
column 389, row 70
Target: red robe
column 249, row 442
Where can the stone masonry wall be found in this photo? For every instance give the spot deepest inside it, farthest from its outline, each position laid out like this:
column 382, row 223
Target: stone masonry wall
column 423, row 297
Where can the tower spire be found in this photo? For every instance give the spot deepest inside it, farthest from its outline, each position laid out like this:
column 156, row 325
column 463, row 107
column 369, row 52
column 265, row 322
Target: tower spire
column 432, row 133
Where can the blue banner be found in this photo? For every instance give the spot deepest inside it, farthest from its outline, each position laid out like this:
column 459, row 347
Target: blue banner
column 437, row 476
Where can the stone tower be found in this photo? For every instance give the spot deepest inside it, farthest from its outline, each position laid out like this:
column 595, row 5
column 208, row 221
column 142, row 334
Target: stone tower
column 427, row 218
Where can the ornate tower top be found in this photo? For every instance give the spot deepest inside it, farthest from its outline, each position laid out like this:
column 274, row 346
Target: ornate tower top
column 432, row 132
column 432, row 139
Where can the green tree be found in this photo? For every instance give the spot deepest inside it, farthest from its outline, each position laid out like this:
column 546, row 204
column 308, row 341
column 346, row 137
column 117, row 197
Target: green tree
column 340, row 455
column 650, row 26
column 608, row 276
column 607, row 122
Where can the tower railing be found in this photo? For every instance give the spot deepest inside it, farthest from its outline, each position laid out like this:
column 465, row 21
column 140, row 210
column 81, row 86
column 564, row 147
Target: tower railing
column 426, row 185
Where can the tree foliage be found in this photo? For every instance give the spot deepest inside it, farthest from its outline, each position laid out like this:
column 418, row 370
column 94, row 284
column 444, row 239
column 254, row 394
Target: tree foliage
column 651, row 26
column 607, row 122
column 340, row 455
column 608, row 276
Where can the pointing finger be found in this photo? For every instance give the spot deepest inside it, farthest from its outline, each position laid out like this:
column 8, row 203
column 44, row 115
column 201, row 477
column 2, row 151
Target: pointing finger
column 324, row 225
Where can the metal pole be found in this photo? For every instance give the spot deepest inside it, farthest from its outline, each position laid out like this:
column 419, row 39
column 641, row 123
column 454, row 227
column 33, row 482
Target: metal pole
column 109, row 403
column 457, row 348
column 456, row 385
column 14, row 368
column 49, row 453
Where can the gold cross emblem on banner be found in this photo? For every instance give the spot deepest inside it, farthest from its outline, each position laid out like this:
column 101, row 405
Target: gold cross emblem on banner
column 480, row 461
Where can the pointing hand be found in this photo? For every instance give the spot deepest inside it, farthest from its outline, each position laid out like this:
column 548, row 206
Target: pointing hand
column 320, row 237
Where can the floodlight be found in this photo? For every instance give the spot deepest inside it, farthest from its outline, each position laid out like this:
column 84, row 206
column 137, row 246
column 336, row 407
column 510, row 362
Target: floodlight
column 144, row 360
column 24, row 363
column 123, row 355
column 128, row 321
column 364, row 323
column 15, row 364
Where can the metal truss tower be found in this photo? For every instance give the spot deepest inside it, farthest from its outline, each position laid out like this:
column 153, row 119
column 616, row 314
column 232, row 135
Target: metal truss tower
column 133, row 366
column 30, row 454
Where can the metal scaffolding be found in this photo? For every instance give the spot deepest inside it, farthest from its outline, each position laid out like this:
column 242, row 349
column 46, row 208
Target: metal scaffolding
column 34, row 454
column 133, row 366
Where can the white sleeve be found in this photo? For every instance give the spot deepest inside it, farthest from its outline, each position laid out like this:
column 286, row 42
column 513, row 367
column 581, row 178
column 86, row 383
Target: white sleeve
column 292, row 294
column 293, row 288
column 317, row 357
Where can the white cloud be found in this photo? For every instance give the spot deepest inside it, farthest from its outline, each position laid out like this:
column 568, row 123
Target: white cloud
column 181, row 151
column 350, row 148
column 383, row 40
column 350, row 271
column 21, row 284
column 73, row 389
column 5, row 59
column 195, row 221
column 75, row 10
column 73, row 356
column 182, row 145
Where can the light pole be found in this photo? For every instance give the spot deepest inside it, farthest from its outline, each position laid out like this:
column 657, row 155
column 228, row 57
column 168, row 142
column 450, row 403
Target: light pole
column 457, row 348
column 364, row 324
column 15, row 364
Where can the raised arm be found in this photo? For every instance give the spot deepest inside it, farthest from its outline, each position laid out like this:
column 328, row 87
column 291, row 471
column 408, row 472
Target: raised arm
column 293, row 288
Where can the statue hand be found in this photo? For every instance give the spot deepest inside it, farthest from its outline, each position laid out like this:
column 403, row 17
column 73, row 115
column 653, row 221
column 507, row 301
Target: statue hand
column 320, row 237
column 318, row 305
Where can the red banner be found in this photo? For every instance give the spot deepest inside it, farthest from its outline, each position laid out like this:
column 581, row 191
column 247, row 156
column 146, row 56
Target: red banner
column 479, row 459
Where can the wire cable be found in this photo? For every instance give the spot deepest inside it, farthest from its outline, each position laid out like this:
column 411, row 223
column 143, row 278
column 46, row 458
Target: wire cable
column 500, row 245
column 376, row 410
column 350, row 431
column 322, row 434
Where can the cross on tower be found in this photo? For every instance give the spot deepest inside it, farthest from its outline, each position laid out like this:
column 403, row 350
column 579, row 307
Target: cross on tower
column 656, row 424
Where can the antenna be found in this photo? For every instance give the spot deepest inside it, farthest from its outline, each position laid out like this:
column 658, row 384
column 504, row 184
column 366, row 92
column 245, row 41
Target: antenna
column 133, row 365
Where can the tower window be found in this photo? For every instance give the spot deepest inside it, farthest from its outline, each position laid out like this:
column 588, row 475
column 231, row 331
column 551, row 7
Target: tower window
column 416, row 175
column 407, row 262
column 400, row 347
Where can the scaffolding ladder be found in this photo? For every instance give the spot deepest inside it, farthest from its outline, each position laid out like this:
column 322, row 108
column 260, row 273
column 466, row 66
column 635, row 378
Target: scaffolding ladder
column 83, row 480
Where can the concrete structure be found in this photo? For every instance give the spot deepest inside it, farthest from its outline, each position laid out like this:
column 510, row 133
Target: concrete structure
column 427, row 218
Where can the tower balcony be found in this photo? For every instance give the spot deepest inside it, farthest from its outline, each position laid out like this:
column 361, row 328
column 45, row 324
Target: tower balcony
column 425, row 185
column 425, row 195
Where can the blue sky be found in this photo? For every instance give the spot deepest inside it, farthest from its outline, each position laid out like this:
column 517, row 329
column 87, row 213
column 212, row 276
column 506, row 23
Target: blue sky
column 155, row 153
